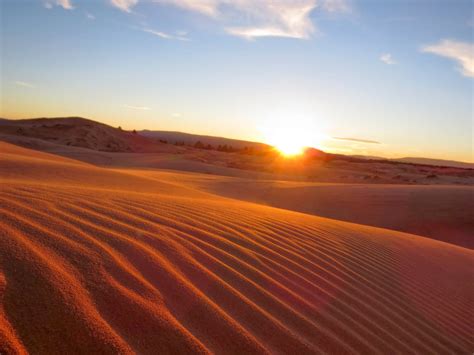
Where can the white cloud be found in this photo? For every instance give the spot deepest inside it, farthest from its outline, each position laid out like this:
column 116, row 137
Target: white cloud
column 124, row 5
column 157, row 33
column 90, row 16
column 25, row 84
column 165, row 35
column 387, row 59
column 206, row 7
column 254, row 32
column 461, row 52
column 141, row 108
column 262, row 18
column 65, row 4
column 276, row 19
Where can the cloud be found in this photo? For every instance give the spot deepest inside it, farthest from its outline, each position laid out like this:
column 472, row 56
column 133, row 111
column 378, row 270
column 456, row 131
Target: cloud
column 387, row 59
column 157, row 33
column 461, row 52
column 356, row 140
column 25, row 84
column 65, row 4
column 254, row 32
column 205, row 7
column 165, row 35
column 141, row 108
column 90, row 16
column 124, row 5
column 276, row 19
column 251, row 19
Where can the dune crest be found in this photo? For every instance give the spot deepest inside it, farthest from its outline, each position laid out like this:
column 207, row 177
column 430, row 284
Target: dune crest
column 104, row 261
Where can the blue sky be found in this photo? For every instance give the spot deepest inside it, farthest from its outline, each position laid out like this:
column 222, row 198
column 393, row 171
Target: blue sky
column 399, row 73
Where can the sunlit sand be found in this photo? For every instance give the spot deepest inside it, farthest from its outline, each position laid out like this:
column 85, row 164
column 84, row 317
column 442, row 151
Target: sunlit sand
column 115, row 260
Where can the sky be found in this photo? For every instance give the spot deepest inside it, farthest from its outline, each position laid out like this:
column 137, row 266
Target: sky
column 384, row 78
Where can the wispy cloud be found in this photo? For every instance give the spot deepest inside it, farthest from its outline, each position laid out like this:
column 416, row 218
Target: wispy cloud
column 65, row 4
column 206, row 7
column 356, row 140
column 262, row 18
column 461, row 52
column 165, row 35
column 124, row 5
column 387, row 59
column 25, row 84
column 141, row 108
column 255, row 32
column 289, row 19
column 90, row 16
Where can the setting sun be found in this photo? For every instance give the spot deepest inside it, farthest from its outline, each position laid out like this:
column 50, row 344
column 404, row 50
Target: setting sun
column 290, row 148
column 291, row 134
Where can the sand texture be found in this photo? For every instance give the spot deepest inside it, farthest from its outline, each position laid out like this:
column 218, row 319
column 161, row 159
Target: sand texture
column 96, row 260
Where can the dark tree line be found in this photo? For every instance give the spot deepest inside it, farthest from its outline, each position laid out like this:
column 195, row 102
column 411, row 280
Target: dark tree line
column 220, row 148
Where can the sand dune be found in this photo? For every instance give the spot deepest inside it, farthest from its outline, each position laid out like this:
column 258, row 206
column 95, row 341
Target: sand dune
column 83, row 133
column 443, row 212
column 98, row 260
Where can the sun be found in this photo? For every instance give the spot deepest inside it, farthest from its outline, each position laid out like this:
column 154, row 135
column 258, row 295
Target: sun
column 288, row 140
column 290, row 148
column 291, row 134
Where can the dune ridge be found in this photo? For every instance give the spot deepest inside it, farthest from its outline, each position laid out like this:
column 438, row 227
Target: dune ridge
column 98, row 260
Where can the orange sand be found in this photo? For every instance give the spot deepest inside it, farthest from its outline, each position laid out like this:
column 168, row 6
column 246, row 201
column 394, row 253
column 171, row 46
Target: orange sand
column 442, row 212
column 96, row 260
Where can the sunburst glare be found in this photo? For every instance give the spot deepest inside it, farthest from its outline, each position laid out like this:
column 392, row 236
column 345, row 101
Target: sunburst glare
column 291, row 133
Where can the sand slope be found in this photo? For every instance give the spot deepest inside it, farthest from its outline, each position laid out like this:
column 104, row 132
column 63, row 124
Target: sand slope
column 443, row 212
column 96, row 260
column 81, row 133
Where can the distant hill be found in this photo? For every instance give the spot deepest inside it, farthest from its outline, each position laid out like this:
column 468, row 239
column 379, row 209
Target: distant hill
column 191, row 139
column 369, row 157
column 421, row 161
column 79, row 132
column 85, row 133
column 438, row 162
